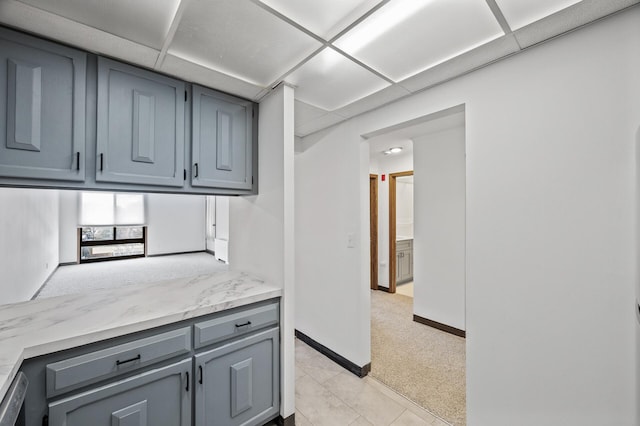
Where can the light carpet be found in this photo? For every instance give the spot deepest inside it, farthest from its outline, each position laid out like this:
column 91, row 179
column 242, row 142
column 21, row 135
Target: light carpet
column 422, row 363
column 116, row 273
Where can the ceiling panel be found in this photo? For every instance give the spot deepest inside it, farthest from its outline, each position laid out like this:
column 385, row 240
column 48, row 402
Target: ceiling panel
column 55, row 27
column 320, row 123
column 143, row 21
column 519, row 13
column 208, row 77
column 379, row 98
column 305, row 113
column 329, row 81
column 241, row 39
column 323, row 18
column 471, row 60
column 568, row 19
column 405, row 37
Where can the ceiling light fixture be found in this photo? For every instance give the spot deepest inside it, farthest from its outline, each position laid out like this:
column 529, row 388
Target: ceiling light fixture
column 393, row 150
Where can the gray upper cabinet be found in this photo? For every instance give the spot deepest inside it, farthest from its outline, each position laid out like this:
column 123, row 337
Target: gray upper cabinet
column 222, row 141
column 42, row 109
column 140, row 128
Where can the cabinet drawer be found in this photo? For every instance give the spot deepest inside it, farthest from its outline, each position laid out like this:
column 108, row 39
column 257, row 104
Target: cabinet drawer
column 236, row 324
column 75, row 372
column 404, row 245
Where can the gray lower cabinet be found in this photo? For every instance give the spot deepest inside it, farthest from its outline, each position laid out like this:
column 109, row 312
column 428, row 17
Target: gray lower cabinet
column 404, row 261
column 140, row 128
column 222, row 140
column 228, row 371
column 238, row 383
column 42, row 109
column 157, row 397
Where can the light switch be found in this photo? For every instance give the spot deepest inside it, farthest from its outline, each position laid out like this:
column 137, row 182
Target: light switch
column 351, row 240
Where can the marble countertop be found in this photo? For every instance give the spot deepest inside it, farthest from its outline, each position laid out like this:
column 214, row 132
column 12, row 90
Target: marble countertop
column 43, row 326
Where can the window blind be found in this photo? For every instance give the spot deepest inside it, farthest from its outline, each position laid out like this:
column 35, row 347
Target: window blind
column 107, row 209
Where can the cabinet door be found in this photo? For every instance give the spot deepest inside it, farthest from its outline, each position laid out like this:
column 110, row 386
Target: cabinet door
column 42, row 109
column 239, row 383
column 157, row 397
column 398, row 266
column 222, row 141
column 140, row 126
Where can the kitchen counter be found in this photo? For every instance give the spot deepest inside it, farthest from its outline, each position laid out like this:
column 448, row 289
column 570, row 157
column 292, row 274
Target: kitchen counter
column 43, row 326
column 403, row 238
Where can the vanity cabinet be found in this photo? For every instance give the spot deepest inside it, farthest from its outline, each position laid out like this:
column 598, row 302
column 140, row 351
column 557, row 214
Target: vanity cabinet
column 221, row 140
column 140, row 128
column 42, row 109
column 225, row 366
column 404, row 261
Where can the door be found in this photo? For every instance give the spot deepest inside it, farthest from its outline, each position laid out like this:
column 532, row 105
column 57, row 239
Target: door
column 156, row 397
column 373, row 230
column 140, row 126
column 42, row 109
column 222, row 141
column 239, row 383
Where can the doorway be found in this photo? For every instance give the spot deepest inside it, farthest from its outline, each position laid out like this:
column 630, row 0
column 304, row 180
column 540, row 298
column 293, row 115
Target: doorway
column 429, row 358
column 400, row 261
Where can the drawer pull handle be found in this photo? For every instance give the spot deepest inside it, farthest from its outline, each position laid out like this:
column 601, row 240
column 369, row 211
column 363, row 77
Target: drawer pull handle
column 136, row 358
column 78, row 161
column 187, row 387
column 196, row 167
column 243, row 325
column 200, row 370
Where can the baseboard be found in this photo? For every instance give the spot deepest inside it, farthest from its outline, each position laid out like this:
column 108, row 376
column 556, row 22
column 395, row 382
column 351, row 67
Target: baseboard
column 172, row 254
column 68, row 263
column 337, row 358
column 443, row 327
column 381, row 288
column 289, row 421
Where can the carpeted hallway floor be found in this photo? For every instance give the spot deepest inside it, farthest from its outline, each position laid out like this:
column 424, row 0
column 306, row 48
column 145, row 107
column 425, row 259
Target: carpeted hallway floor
column 422, row 363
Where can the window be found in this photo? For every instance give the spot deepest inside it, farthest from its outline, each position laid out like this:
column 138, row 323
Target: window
column 111, row 226
column 99, row 243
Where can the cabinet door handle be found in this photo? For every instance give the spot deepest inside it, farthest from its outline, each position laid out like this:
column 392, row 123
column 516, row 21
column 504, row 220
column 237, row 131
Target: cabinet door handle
column 196, row 167
column 243, row 325
column 187, row 386
column 135, row 358
column 200, row 371
column 101, row 162
column 78, row 161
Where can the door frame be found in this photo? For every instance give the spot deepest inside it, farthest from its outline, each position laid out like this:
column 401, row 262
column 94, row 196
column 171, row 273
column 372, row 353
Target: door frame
column 392, row 227
column 373, row 230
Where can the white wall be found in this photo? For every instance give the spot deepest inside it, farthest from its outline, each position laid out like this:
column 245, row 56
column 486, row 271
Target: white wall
column 550, row 212
column 222, row 217
column 261, row 226
column 68, row 228
column 404, row 206
column 28, row 241
column 439, row 239
column 384, row 165
column 175, row 223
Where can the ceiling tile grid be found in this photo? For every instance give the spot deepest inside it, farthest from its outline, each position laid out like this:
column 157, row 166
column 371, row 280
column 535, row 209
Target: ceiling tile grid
column 345, row 57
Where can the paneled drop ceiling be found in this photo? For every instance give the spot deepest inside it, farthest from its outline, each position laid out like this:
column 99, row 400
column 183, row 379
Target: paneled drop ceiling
column 344, row 57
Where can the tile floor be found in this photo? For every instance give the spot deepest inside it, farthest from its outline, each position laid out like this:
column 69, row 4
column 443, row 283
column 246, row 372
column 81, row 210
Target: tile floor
column 327, row 394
